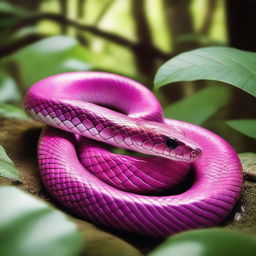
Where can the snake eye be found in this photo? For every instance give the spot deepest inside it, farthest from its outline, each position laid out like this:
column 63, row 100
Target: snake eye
column 171, row 143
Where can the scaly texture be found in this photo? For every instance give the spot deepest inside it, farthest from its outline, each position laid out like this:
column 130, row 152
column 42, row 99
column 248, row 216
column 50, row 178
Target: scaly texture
column 111, row 189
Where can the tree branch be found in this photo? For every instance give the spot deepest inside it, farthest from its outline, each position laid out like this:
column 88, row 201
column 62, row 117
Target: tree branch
column 93, row 30
column 10, row 47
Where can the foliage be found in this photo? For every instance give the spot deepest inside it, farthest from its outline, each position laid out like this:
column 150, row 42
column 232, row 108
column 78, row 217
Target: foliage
column 12, row 111
column 207, row 242
column 222, row 64
column 245, row 126
column 47, row 57
column 7, row 167
column 8, row 88
column 29, row 227
column 185, row 109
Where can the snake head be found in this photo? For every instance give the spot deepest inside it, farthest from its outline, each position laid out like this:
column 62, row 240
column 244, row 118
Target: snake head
column 169, row 142
column 181, row 149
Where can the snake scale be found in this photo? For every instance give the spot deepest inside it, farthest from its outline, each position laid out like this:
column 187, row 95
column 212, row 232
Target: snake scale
column 86, row 114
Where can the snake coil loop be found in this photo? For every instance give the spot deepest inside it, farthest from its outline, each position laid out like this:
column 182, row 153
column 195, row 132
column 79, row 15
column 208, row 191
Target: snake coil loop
column 123, row 191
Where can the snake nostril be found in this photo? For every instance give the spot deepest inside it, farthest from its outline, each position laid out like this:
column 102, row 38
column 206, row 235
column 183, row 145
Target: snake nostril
column 195, row 153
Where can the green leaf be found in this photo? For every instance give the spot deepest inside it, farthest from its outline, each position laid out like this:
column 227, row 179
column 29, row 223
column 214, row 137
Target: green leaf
column 47, row 57
column 8, row 88
column 12, row 111
column 200, row 106
column 207, row 242
column 223, row 64
column 29, row 227
column 244, row 126
column 7, row 167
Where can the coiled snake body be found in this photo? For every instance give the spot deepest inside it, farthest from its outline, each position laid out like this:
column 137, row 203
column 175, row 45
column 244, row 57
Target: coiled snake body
column 124, row 191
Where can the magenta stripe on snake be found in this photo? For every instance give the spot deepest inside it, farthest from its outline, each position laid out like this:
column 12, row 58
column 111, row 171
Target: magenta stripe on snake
column 110, row 189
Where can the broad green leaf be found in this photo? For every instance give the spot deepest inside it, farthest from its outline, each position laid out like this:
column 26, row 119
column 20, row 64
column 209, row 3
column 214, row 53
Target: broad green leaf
column 7, row 167
column 244, row 126
column 200, row 106
column 29, row 227
column 8, row 88
column 207, row 242
column 47, row 57
column 223, row 64
column 12, row 111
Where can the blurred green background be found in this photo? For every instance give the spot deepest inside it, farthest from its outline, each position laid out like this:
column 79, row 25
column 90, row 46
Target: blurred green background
column 132, row 38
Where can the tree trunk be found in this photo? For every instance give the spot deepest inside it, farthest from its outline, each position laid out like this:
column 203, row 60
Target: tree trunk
column 144, row 58
column 180, row 22
column 241, row 23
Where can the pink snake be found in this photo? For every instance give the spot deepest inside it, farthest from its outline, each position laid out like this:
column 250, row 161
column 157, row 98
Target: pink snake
column 136, row 194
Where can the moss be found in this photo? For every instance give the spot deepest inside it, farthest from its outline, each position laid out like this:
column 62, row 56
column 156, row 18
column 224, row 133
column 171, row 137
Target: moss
column 19, row 138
